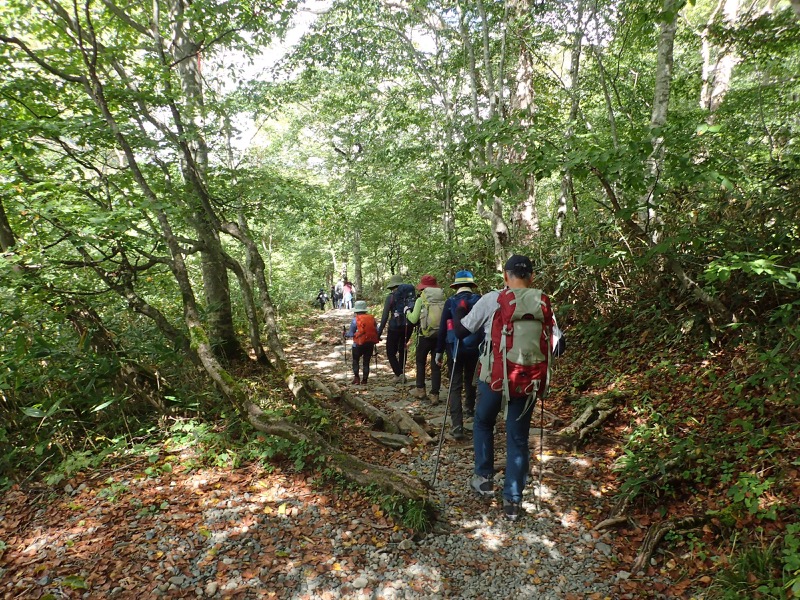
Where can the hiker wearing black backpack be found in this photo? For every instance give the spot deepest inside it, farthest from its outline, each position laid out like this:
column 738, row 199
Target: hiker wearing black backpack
column 514, row 363
column 427, row 314
column 364, row 331
column 322, row 298
column 462, row 357
column 398, row 304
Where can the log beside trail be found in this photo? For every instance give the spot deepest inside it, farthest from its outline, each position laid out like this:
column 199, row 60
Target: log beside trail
column 408, row 425
column 351, row 467
column 374, row 414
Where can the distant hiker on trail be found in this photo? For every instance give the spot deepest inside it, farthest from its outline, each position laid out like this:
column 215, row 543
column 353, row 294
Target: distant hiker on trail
column 339, row 290
column 514, row 371
column 347, row 295
column 398, row 303
column 428, row 313
column 364, row 331
column 322, row 298
column 463, row 358
column 333, row 296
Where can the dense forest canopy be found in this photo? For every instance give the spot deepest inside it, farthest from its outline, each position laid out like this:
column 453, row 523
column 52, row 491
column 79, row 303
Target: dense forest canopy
column 168, row 202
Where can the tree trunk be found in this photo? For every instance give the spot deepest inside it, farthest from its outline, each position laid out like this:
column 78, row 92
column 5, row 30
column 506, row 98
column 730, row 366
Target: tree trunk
column 526, row 216
column 241, row 233
column 7, row 239
column 499, row 230
column 357, row 261
column 575, row 98
column 717, row 71
column 216, row 286
column 648, row 214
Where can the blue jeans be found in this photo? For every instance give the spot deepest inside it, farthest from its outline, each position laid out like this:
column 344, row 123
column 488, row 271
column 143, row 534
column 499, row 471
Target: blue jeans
column 517, row 433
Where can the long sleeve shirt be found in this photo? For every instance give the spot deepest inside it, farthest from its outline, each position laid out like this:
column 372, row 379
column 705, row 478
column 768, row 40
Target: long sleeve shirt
column 447, row 315
column 352, row 331
column 387, row 305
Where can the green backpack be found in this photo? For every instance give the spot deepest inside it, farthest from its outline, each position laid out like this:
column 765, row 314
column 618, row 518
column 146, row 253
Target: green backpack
column 430, row 314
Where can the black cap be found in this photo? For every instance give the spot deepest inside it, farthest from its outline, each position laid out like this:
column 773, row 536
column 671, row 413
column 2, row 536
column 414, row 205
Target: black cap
column 519, row 265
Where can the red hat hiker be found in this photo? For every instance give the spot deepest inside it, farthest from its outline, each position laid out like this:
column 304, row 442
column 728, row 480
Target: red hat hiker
column 426, row 282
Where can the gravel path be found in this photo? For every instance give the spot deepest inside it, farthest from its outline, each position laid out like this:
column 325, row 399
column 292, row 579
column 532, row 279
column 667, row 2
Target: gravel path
column 216, row 533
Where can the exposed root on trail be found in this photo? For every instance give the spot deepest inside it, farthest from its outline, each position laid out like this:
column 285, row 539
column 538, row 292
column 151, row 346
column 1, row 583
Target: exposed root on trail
column 657, row 532
column 592, row 418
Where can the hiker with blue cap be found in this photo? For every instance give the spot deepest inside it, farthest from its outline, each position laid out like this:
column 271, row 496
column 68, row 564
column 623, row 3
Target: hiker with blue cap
column 462, row 355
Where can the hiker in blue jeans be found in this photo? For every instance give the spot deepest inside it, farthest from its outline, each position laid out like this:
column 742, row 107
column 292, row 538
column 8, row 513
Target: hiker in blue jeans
column 518, row 274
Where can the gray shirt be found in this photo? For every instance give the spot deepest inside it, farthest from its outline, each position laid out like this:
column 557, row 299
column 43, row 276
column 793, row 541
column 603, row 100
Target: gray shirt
column 483, row 311
column 481, row 314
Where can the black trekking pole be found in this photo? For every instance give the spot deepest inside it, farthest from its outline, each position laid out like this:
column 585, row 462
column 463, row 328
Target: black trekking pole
column 405, row 351
column 446, row 411
column 541, row 455
column 344, row 351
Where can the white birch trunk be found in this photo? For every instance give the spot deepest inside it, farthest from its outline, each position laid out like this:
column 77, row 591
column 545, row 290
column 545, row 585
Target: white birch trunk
column 575, row 95
column 718, row 63
column 648, row 213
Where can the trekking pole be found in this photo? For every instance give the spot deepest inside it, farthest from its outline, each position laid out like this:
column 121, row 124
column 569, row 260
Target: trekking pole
column 541, row 455
column 344, row 351
column 446, row 411
column 405, row 349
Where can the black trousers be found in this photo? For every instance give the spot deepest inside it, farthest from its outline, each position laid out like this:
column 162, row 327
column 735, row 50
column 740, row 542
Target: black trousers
column 362, row 353
column 396, row 348
column 462, row 375
column 426, row 346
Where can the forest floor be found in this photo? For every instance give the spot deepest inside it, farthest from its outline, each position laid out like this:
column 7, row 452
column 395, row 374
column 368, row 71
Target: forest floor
column 173, row 528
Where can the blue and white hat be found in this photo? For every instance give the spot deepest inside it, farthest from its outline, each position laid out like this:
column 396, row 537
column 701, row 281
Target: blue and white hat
column 463, row 278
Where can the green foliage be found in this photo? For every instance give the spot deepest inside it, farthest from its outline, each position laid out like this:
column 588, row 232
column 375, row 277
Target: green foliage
column 748, row 491
column 416, row 515
column 761, row 570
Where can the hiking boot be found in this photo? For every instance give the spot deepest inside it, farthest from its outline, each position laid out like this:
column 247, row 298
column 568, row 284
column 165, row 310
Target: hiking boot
column 398, row 379
column 511, row 510
column 483, row 485
column 458, row 433
column 356, row 380
column 434, row 398
column 364, row 381
column 418, row 392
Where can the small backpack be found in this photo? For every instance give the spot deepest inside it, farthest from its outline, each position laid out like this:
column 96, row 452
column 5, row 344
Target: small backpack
column 517, row 360
column 404, row 296
column 431, row 312
column 472, row 342
column 366, row 330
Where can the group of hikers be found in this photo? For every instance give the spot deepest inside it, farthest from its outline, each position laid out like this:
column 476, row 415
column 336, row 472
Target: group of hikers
column 343, row 294
column 498, row 347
